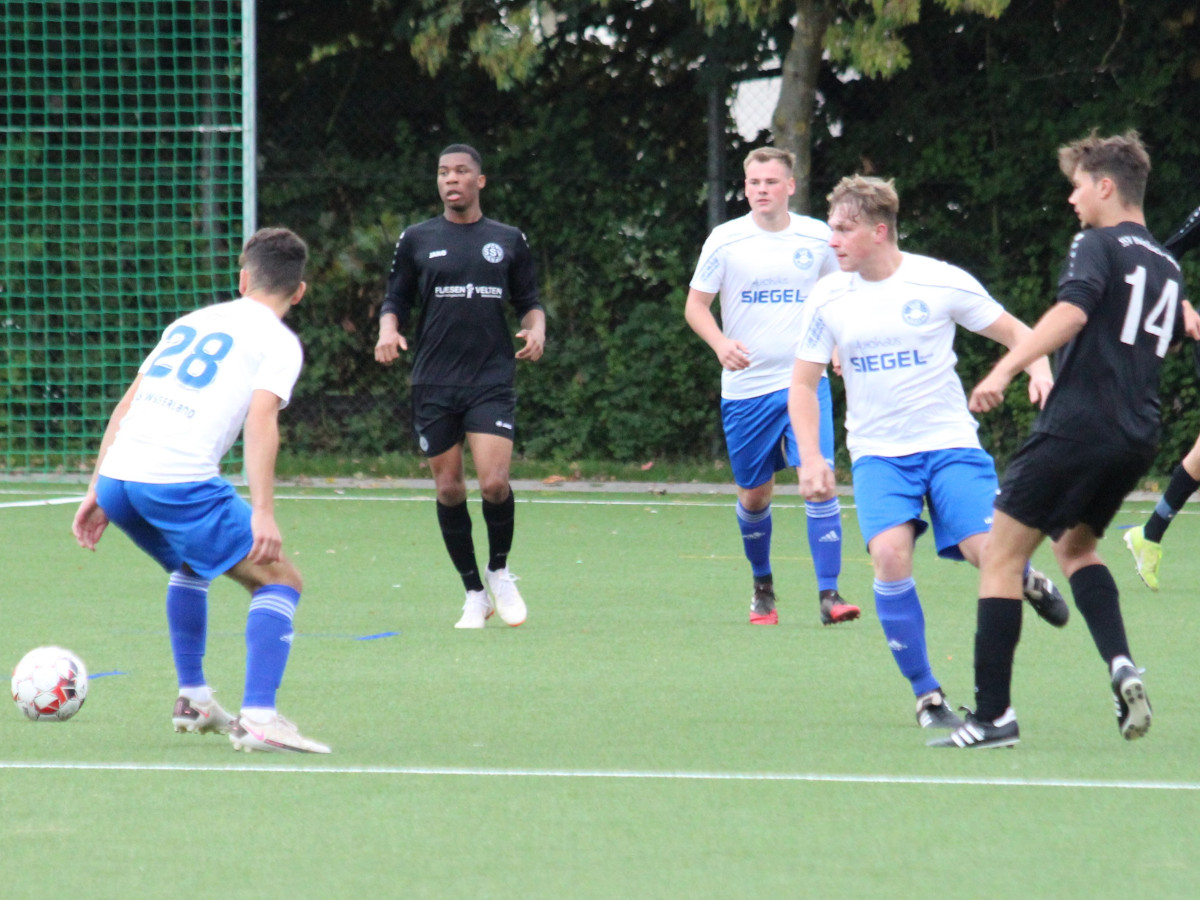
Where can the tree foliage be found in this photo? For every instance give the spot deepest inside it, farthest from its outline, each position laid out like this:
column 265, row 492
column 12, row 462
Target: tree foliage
column 600, row 156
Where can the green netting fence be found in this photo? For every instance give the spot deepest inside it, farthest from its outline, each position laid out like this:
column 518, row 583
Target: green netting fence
column 123, row 204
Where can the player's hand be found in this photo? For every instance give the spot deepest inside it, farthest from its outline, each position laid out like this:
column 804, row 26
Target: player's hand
column 817, row 482
column 1039, row 391
column 1191, row 321
column 989, row 393
column 535, row 343
column 89, row 522
column 733, row 355
column 268, row 543
column 389, row 345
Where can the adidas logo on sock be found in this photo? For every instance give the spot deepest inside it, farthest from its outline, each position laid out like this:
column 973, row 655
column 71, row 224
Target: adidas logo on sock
column 829, row 537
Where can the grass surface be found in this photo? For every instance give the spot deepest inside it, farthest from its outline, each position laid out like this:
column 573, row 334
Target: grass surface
column 636, row 738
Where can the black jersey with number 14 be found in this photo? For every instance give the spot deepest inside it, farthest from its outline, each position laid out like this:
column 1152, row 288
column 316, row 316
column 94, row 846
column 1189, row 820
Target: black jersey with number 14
column 462, row 277
column 1107, row 376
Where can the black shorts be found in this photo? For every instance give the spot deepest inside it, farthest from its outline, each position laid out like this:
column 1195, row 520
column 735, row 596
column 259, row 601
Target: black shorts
column 1053, row 484
column 443, row 415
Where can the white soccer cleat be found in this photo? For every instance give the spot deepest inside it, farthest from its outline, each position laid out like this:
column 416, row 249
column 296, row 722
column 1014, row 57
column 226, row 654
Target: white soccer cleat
column 195, row 717
column 503, row 587
column 477, row 610
column 275, row 736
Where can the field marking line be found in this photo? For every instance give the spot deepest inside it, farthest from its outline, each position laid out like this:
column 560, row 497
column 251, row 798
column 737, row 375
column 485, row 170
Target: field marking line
column 619, row 774
column 677, row 500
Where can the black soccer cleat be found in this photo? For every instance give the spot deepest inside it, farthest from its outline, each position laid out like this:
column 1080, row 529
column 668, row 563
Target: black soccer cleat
column 934, row 712
column 834, row 609
column 1046, row 600
column 977, row 734
column 762, row 605
column 1133, row 707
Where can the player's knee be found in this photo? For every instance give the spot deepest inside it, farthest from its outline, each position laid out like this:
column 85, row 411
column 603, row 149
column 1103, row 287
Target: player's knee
column 494, row 487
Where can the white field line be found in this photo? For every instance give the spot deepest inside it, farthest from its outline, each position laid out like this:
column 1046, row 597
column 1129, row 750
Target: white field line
column 569, row 501
column 619, row 774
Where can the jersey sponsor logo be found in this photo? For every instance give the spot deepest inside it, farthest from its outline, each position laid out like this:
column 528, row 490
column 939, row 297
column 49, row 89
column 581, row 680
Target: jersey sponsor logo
column 468, row 291
column 883, row 362
column 773, row 295
column 493, row 252
column 803, row 258
column 434, row 254
column 166, row 402
column 915, row 312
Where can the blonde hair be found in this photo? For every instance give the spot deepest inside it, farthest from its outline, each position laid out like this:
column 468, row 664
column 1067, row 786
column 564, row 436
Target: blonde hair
column 872, row 198
column 770, row 154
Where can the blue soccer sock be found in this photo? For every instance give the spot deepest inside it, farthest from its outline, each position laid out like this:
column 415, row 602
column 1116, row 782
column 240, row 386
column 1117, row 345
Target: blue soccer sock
column 756, row 538
column 825, row 541
column 268, row 641
column 187, row 623
column 900, row 614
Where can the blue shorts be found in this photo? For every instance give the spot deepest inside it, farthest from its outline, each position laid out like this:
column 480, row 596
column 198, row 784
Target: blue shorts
column 202, row 523
column 759, row 436
column 959, row 486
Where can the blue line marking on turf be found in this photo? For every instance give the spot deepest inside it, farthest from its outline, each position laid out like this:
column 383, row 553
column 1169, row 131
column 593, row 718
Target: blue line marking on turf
column 106, row 674
column 382, row 634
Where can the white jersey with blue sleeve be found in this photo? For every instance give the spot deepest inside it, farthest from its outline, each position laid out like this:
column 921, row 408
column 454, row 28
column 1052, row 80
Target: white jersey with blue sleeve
column 895, row 338
column 195, row 392
column 763, row 278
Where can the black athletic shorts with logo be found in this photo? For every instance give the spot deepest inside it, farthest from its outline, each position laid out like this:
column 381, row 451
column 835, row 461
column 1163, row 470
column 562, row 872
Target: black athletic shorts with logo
column 1053, row 483
column 443, row 415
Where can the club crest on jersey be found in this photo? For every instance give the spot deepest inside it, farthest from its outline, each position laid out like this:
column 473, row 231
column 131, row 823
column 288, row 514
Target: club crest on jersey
column 915, row 312
column 493, row 252
column 803, row 258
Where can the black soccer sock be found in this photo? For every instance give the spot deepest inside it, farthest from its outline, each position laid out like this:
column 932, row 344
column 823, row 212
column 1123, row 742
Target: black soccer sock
column 1181, row 487
column 455, row 522
column 997, row 631
column 1098, row 600
column 500, row 523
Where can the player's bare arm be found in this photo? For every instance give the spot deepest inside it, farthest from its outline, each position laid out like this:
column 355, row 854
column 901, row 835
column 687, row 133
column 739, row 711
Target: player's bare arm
column 261, row 432
column 732, row 355
column 90, row 520
column 391, row 341
column 1060, row 323
column 817, row 481
column 533, row 333
column 1010, row 331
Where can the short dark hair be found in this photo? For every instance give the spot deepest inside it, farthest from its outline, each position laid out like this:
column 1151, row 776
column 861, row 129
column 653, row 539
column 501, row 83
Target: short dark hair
column 275, row 259
column 464, row 148
column 1122, row 157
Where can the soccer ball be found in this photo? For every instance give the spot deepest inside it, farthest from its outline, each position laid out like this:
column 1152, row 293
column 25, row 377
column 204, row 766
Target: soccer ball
column 49, row 684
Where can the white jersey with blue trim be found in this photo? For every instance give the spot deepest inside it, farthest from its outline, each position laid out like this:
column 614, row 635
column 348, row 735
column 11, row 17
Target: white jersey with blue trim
column 195, row 392
column 763, row 278
column 895, row 338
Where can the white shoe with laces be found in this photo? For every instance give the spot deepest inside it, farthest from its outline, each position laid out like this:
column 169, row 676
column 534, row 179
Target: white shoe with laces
column 477, row 610
column 277, row 735
column 195, row 717
column 509, row 604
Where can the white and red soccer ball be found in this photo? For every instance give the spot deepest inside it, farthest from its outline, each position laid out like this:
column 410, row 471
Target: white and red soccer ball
column 49, row 684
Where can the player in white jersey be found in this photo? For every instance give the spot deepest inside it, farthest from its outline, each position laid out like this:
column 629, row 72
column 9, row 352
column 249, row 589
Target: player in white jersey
column 892, row 317
column 764, row 266
column 158, row 479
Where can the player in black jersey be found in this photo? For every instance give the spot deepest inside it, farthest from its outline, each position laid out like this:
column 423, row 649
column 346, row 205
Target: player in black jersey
column 463, row 271
column 1116, row 316
column 1145, row 541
